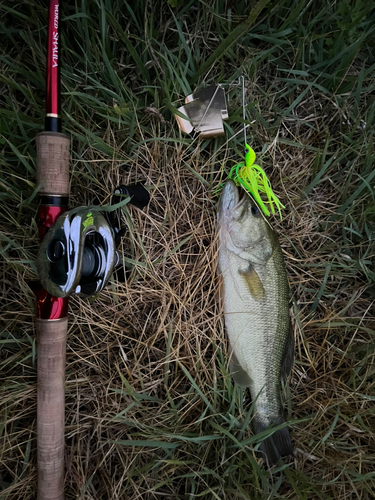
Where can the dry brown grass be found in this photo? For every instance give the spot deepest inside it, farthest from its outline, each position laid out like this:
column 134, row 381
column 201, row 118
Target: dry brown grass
column 127, row 347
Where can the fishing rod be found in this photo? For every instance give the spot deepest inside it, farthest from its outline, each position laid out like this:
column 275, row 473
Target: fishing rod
column 77, row 255
column 52, row 312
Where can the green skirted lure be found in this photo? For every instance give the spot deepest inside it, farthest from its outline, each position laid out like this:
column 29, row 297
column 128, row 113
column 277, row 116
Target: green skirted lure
column 254, row 180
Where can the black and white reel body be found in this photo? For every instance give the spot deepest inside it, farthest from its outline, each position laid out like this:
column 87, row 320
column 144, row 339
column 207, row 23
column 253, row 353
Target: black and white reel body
column 78, row 254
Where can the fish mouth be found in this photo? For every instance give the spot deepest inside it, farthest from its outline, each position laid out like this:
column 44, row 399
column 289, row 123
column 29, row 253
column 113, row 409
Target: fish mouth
column 232, row 201
column 242, row 199
column 231, row 198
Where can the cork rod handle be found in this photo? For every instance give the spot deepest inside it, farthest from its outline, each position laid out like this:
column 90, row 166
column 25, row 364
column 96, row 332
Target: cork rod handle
column 51, row 337
column 53, row 163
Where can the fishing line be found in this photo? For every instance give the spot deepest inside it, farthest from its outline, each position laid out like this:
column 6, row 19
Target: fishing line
column 250, row 176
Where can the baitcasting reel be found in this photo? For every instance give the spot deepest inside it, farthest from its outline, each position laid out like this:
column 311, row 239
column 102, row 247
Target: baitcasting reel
column 78, row 254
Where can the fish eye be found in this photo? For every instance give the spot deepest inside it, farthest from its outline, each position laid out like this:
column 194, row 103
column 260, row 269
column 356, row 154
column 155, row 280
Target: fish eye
column 255, row 211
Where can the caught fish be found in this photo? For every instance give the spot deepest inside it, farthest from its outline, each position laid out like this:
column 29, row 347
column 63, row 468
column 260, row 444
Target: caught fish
column 257, row 321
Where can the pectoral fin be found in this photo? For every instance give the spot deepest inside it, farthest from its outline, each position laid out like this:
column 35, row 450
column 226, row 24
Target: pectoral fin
column 253, row 282
column 238, row 373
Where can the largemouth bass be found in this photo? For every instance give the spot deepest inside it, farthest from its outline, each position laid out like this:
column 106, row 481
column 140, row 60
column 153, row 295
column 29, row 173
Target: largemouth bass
column 257, row 320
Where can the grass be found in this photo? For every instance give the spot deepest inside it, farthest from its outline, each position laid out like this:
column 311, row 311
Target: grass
column 151, row 411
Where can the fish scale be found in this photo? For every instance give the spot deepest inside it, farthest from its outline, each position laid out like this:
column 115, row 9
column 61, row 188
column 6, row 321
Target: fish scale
column 256, row 309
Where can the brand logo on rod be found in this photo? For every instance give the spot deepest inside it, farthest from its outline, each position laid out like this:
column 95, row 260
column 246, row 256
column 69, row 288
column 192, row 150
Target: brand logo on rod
column 55, row 42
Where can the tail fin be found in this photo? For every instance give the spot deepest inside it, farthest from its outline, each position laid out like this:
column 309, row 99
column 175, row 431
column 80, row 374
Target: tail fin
column 279, row 444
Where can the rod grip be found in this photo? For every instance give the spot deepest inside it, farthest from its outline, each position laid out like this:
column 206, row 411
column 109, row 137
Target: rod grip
column 51, row 352
column 52, row 172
